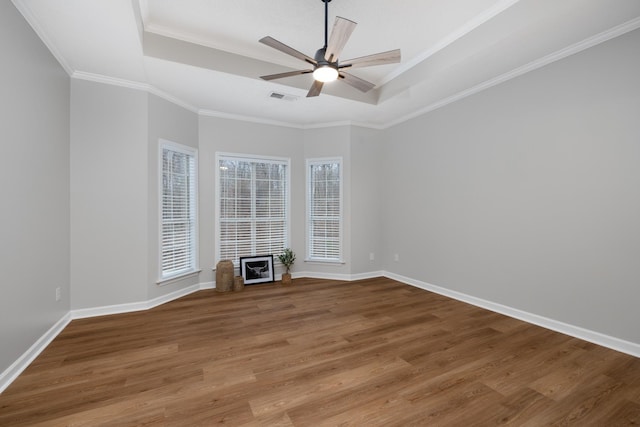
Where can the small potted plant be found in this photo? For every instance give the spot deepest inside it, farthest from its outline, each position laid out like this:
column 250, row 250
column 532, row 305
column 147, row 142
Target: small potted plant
column 287, row 258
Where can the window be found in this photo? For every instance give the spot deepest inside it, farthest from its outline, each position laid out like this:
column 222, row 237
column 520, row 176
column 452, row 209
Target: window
column 178, row 208
column 324, row 210
column 252, row 206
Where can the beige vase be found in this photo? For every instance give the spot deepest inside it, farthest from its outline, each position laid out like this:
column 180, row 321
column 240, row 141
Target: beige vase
column 224, row 276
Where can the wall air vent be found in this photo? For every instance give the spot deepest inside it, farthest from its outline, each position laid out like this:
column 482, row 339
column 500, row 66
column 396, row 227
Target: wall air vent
column 283, row 96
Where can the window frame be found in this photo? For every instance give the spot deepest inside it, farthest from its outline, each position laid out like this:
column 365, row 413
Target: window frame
column 308, row 210
column 165, row 277
column 251, row 158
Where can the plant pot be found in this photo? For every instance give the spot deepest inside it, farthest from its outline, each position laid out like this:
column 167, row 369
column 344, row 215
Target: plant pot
column 286, row 279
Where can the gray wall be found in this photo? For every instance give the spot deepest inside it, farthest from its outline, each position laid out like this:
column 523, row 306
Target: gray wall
column 115, row 135
column 232, row 136
column 176, row 124
column 367, row 180
column 34, row 242
column 527, row 194
column 321, row 143
column 109, row 195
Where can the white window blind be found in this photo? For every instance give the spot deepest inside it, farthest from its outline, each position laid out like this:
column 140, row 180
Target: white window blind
column 253, row 205
column 324, row 210
column 178, row 210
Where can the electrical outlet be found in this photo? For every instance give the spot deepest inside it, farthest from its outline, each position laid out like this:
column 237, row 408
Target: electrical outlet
column 58, row 294
column 396, row 257
column 372, row 256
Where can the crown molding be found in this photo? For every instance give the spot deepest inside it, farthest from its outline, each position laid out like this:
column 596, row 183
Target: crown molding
column 167, row 97
column 99, row 78
column 113, row 81
column 250, row 119
column 465, row 29
column 531, row 66
column 30, row 17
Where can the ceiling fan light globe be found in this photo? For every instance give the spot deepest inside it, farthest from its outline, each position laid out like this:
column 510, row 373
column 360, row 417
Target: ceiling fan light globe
column 325, row 74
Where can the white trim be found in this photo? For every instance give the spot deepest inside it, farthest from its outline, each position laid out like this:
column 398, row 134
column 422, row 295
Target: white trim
column 30, row 17
column 328, row 125
column 324, row 261
column 193, row 152
column 309, row 163
column 11, row 373
column 531, row 66
column 177, row 277
column 16, row 368
column 106, row 310
column 335, row 276
column 321, row 275
column 167, row 97
column 554, row 325
column 250, row 119
column 469, row 26
column 249, row 158
column 363, row 276
column 84, row 313
column 129, row 84
column 207, row 285
column 465, row 29
column 112, row 81
column 365, row 125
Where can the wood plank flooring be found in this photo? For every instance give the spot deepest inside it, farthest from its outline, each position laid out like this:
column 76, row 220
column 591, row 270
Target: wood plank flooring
column 321, row 353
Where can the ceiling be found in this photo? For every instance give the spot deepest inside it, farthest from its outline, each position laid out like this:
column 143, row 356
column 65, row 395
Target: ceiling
column 205, row 54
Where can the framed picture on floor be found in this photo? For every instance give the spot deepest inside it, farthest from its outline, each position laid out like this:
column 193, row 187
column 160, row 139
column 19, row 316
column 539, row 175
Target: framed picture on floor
column 257, row 269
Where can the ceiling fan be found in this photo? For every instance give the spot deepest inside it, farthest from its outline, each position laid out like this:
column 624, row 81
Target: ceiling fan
column 326, row 67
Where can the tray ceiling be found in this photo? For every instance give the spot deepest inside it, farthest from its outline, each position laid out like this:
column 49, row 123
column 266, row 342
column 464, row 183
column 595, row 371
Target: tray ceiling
column 205, row 55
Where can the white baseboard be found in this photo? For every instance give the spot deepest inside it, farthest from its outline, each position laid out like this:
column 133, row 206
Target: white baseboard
column 12, row 372
column 371, row 275
column 133, row 306
column 575, row 331
column 332, row 276
column 208, row 285
column 16, row 368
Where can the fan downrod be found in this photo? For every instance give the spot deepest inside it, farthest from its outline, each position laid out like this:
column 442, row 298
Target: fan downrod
column 326, row 21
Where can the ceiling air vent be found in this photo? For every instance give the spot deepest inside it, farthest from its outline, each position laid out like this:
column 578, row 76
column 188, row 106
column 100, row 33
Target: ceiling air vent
column 283, row 96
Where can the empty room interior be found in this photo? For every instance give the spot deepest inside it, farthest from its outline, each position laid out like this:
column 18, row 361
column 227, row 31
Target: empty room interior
column 458, row 181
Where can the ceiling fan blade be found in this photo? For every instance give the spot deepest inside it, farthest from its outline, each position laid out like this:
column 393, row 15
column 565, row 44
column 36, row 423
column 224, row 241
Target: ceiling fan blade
column 390, row 57
column 340, row 34
column 316, row 87
column 357, row 82
column 287, row 74
column 271, row 42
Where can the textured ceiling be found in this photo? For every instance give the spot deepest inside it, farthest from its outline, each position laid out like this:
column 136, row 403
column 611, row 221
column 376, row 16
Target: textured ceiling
column 205, row 55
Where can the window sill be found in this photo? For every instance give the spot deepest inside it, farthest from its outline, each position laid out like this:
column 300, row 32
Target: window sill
column 172, row 279
column 322, row 261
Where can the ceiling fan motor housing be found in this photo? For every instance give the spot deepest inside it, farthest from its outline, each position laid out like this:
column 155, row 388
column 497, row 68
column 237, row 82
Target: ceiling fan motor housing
column 320, row 59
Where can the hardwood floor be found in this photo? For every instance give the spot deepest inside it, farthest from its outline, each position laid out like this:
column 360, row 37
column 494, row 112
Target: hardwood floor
column 321, row 353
